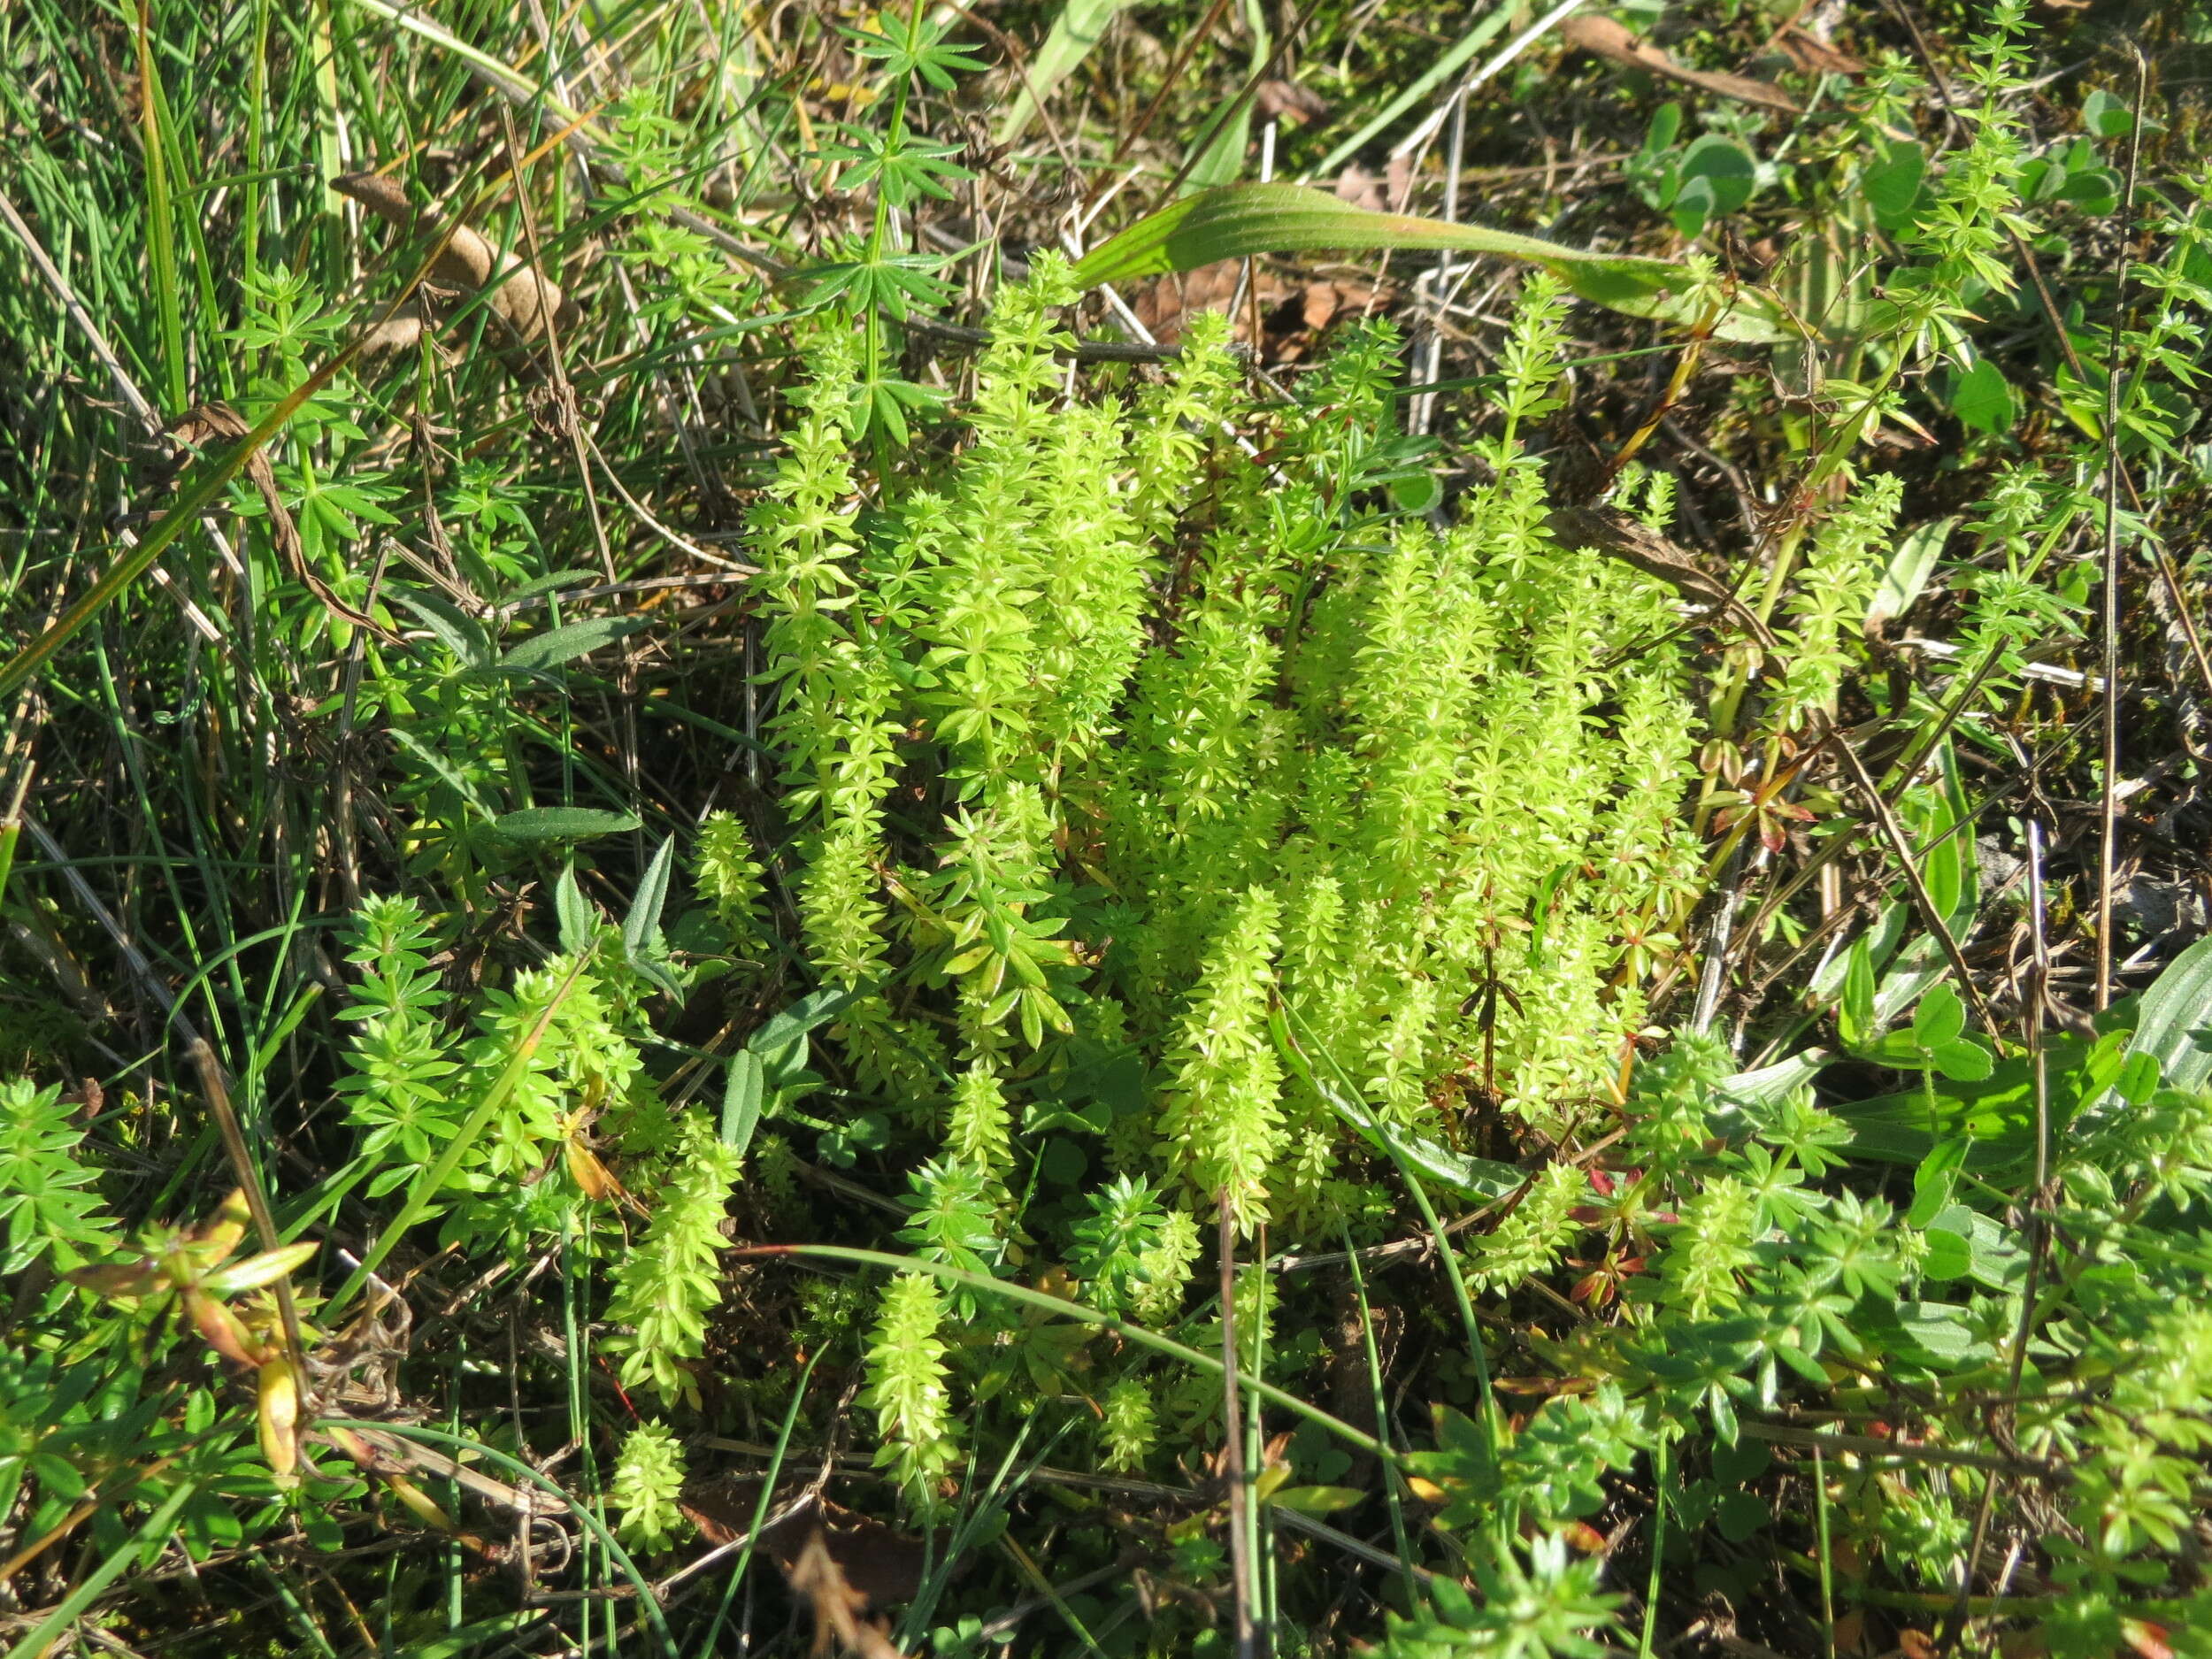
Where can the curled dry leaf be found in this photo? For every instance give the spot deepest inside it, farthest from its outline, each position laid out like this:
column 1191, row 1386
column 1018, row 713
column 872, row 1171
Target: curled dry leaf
column 203, row 422
column 1361, row 189
column 882, row 1565
column 1617, row 536
column 1288, row 101
column 522, row 296
column 1815, row 56
column 1293, row 312
column 838, row 1607
column 397, row 330
column 816, row 1576
column 845, row 1565
column 1608, row 39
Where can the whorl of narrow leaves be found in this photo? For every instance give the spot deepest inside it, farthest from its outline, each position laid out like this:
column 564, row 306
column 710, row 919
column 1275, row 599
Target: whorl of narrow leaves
column 43, row 1186
column 906, row 1386
column 1222, row 1121
column 1710, row 1245
column 1116, row 1244
column 1841, row 571
column 398, row 1084
column 977, row 1133
column 1529, row 1241
column 666, row 1286
column 730, row 876
column 1130, row 1428
column 649, row 1478
column 1165, row 1271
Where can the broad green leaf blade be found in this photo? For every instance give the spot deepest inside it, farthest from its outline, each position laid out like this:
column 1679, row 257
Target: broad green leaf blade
column 1939, row 1017
column 568, row 642
column 1995, row 1114
column 2176, row 1010
column 1079, row 26
column 1908, row 570
column 576, row 918
column 1236, row 221
column 462, row 635
column 743, row 1099
column 641, row 927
column 562, row 824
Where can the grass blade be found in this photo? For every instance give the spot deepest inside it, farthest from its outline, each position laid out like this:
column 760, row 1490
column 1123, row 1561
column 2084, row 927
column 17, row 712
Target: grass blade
column 197, row 498
column 1080, row 26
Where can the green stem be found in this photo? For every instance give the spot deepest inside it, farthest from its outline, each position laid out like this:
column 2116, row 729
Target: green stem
column 1059, row 1308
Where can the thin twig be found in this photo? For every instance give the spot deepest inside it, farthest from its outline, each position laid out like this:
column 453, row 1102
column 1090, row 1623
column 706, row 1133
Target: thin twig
column 2034, row 1005
column 2109, row 803
column 250, row 1182
column 1902, row 849
column 1233, row 1446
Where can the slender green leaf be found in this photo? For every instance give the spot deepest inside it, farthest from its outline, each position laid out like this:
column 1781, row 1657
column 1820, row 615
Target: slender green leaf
column 575, row 914
column 2174, row 1028
column 789, row 1023
column 567, row 642
column 641, row 927
column 743, row 1099
column 1483, row 1180
column 1080, row 26
column 1908, row 570
column 562, row 824
column 461, row 634
column 1239, row 220
column 1318, row 1499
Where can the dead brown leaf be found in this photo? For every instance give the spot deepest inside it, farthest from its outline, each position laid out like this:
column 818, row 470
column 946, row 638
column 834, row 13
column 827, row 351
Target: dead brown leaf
column 1288, row 101
column 205, row 421
column 1362, row 189
column 397, row 331
column 815, row 1575
column 1609, row 39
column 1815, row 56
column 525, row 299
column 1319, row 305
column 880, row 1563
column 1617, row 536
column 1292, row 312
